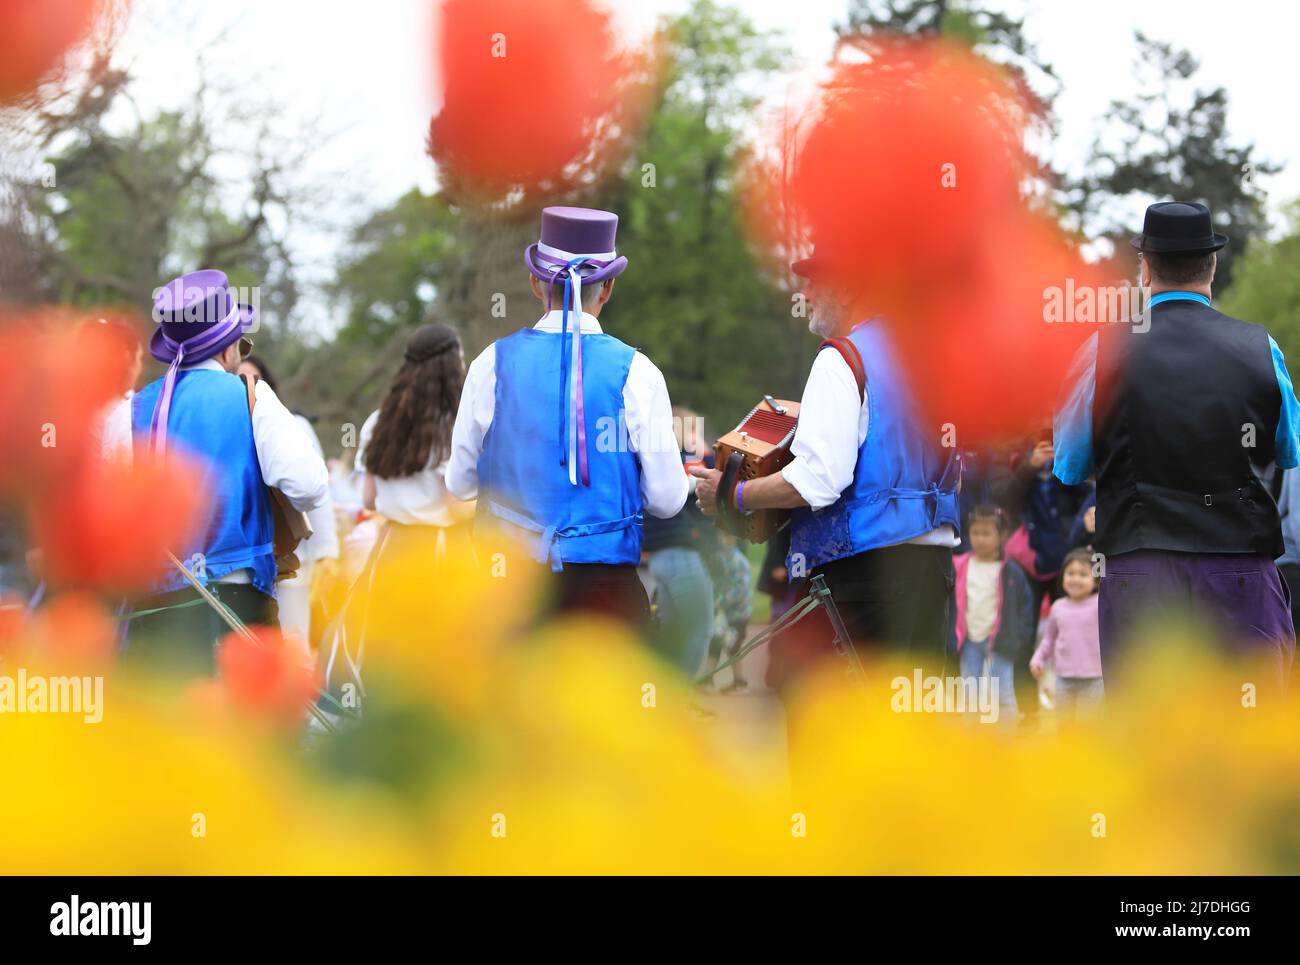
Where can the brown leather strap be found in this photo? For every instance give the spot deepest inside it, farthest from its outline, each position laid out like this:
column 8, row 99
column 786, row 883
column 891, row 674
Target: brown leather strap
column 250, row 383
column 849, row 352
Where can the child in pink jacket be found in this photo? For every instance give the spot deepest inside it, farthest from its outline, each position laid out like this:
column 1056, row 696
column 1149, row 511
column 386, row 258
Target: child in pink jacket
column 1071, row 642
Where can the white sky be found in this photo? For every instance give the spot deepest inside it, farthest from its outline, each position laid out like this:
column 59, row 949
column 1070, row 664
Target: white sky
column 362, row 70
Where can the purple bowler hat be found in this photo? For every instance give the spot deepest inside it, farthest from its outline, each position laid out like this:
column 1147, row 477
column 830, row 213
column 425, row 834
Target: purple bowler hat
column 198, row 318
column 569, row 233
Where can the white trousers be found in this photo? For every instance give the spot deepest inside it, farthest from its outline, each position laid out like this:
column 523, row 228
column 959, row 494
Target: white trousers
column 294, row 597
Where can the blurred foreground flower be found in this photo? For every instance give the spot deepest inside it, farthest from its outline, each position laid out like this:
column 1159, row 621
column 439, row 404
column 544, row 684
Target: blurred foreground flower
column 908, row 176
column 486, row 746
column 266, row 677
column 534, row 94
column 33, row 36
column 109, row 523
column 61, row 371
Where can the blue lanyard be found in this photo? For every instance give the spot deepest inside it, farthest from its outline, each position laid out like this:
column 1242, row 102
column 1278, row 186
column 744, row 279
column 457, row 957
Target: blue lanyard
column 1178, row 297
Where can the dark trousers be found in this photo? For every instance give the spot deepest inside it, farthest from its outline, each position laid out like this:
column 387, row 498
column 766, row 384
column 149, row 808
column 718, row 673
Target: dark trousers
column 181, row 638
column 1241, row 597
column 1291, row 576
column 895, row 602
column 609, row 589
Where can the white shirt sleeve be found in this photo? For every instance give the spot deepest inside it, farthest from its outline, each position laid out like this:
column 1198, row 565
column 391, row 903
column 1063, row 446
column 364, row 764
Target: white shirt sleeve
column 477, row 406
column 324, row 541
column 289, row 461
column 664, row 483
column 363, row 442
column 832, row 428
column 116, row 438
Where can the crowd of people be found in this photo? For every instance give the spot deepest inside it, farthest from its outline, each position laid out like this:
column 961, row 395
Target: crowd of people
column 1028, row 566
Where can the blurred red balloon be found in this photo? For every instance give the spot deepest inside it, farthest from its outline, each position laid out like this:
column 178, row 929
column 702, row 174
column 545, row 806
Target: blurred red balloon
column 533, row 92
column 34, row 35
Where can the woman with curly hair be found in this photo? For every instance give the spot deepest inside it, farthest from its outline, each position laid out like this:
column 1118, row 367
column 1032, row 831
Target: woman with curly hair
column 404, row 445
column 403, row 452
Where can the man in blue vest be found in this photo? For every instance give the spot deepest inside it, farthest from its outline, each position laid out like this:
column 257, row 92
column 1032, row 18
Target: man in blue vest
column 874, row 494
column 1178, row 417
column 200, row 407
column 565, row 435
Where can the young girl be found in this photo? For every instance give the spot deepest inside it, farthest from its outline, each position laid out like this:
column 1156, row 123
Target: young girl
column 995, row 621
column 1071, row 642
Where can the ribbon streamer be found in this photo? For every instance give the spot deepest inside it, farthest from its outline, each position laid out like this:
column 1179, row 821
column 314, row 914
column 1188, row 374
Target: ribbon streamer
column 573, row 422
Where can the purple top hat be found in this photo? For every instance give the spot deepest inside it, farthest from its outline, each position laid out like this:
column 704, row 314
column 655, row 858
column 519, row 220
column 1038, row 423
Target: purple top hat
column 198, row 318
column 569, row 233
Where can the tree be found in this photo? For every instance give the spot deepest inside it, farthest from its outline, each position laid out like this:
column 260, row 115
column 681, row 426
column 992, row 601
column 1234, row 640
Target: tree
column 1170, row 140
column 133, row 205
column 1268, row 288
column 401, row 257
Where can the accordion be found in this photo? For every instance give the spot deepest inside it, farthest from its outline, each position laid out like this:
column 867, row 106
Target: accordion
column 759, row 446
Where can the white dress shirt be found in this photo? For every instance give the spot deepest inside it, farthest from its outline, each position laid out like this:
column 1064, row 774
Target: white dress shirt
column 324, row 540
column 833, row 423
column 648, row 413
column 285, row 454
column 420, row 499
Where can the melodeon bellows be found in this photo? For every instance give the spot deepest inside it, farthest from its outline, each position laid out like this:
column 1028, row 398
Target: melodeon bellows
column 759, row 446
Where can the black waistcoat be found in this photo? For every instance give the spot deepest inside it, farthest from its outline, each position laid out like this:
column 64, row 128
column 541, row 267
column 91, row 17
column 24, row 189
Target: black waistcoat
column 1184, row 419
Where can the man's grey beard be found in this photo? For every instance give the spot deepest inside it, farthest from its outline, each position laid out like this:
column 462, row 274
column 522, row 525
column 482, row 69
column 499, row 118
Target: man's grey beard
column 824, row 321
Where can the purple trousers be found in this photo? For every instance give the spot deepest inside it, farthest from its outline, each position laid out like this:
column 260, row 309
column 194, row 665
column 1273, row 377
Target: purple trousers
column 1244, row 595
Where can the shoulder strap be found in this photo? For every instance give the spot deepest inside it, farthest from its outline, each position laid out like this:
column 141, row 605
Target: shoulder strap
column 849, row 352
column 250, row 384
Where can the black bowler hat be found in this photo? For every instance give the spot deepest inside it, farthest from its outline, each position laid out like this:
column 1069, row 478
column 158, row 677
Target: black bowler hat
column 1178, row 226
